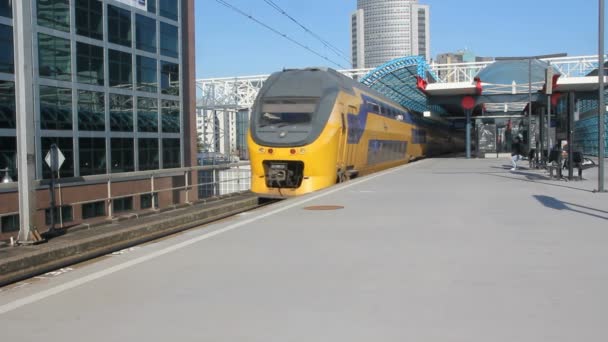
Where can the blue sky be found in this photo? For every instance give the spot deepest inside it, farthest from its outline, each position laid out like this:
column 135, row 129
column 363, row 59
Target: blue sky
column 228, row 44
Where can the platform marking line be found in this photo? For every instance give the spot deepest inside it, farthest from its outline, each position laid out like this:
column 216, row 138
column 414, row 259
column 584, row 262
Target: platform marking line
column 97, row 275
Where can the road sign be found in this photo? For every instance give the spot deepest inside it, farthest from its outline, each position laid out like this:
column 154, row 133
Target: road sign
column 54, row 158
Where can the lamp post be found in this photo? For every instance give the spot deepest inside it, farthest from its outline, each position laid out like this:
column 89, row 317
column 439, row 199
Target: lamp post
column 7, row 178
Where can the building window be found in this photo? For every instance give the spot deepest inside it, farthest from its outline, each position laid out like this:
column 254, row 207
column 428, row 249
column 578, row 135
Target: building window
column 7, row 105
column 121, row 113
column 95, row 209
column 67, row 149
column 168, row 40
column 170, row 116
column 89, row 16
column 121, row 69
column 91, row 111
column 89, row 64
column 147, row 114
column 146, row 74
column 54, row 57
column 169, row 78
column 8, row 156
column 145, row 201
column 122, row 155
column 55, row 108
column 54, row 14
column 6, row 8
column 145, row 33
column 119, row 26
column 152, row 6
column 168, row 9
column 92, row 156
column 171, row 154
column 122, row 204
column 148, row 154
column 9, row 224
column 7, row 55
column 67, row 215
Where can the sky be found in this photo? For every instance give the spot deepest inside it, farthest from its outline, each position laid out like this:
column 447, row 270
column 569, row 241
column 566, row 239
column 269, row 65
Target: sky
column 229, row 44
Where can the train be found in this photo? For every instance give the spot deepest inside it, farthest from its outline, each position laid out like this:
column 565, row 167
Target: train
column 313, row 128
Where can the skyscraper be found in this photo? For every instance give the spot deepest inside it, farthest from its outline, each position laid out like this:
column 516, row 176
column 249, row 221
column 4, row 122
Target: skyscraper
column 382, row 30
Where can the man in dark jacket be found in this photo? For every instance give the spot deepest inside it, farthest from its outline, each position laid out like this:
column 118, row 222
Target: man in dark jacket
column 516, row 152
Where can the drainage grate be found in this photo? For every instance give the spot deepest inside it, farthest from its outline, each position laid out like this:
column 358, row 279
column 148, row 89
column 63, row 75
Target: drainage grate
column 324, row 207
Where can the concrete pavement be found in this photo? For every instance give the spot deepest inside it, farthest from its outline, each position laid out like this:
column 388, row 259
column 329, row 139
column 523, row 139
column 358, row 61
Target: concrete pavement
column 439, row 250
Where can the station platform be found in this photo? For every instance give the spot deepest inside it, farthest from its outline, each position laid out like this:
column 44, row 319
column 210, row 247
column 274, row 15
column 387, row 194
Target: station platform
column 443, row 249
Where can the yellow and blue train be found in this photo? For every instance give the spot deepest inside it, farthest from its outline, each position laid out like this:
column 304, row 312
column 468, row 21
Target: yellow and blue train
column 313, row 128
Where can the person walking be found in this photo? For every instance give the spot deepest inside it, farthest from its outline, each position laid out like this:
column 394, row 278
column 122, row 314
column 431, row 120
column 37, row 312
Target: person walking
column 516, row 153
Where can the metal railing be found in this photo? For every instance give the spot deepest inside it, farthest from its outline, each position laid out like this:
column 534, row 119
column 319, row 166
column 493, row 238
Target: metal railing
column 212, row 181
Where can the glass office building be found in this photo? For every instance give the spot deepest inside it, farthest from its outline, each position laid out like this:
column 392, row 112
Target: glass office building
column 110, row 85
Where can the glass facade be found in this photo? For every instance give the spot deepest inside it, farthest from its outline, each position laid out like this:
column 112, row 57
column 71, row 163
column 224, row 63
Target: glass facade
column 146, row 74
column 169, row 78
column 171, row 154
column 148, row 154
column 121, row 69
column 54, row 57
column 121, row 113
column 122, row 155
column 89, row 64
column 91, row 111
column 54, row 14
column 168, row 40
column 107, row 89
column 168, row 9
column 7, row 105
column 6, row 8
column 145, row 29
column 89, row 18
column 119, row 26
column 147, row 114
column 7, row 60
column 92, row 156
column 55, row 108
column 170, row 117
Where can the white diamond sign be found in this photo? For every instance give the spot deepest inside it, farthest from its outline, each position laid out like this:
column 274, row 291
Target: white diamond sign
column 60, row 158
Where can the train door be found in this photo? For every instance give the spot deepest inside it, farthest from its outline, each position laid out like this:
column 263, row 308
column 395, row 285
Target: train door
column 342, row 143
column 351, row 149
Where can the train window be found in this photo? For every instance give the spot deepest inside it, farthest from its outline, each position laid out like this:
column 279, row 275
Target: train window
column 374, row 108
column 287, row 112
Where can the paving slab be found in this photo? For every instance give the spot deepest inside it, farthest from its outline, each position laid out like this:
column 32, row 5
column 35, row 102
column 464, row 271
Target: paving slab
column 439, row 250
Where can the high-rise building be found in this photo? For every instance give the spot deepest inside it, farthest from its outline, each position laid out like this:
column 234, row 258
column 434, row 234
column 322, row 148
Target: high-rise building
column 111, row 84
column 382, row 30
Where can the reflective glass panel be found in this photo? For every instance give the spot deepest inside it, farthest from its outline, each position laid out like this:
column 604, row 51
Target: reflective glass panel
column 168, row 40
column 146, row 74
column 89, row 64
column 7, row 105
column 169, row 78
column 170, row 117
column 171, row 153
column 6, row 8
column 147, row 114
column 121, row 69
column 91, row 111
column 89, row 16
column 168, row 9
column 7, row 55
column 148, row 154
column 145, row 29
column 122, row 155
column 92, row 156
column 55, row 108
column 119, row 26
column 54, row 14
column 54, row 57
column 121, row 113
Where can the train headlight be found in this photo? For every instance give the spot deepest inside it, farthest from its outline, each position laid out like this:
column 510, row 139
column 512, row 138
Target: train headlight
column 262, row 150
column 302, row 150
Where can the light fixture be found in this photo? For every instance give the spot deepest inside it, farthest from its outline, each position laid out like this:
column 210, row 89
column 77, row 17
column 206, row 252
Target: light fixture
column 7, row 178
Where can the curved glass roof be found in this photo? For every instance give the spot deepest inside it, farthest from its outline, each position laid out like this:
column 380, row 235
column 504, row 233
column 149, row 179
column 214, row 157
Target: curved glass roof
column 398, row 80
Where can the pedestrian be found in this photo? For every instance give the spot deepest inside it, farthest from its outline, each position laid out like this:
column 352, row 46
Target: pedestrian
column 516, row 152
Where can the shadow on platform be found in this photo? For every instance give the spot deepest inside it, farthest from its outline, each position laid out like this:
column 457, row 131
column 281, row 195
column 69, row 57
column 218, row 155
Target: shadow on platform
column 554, row 203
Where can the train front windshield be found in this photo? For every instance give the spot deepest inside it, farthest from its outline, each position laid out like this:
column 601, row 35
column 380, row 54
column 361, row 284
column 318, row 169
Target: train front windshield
column 283, row 113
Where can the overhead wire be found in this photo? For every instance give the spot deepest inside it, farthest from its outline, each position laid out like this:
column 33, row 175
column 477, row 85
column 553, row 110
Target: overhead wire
column 327, row 44
column 254, row 19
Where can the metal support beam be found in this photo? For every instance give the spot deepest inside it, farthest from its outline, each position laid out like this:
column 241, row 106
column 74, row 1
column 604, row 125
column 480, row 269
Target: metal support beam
column 571, row 109
column 26, row 150
column 601, row 105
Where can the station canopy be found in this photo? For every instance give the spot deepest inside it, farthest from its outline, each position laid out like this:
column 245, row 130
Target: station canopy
column 403, row 80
